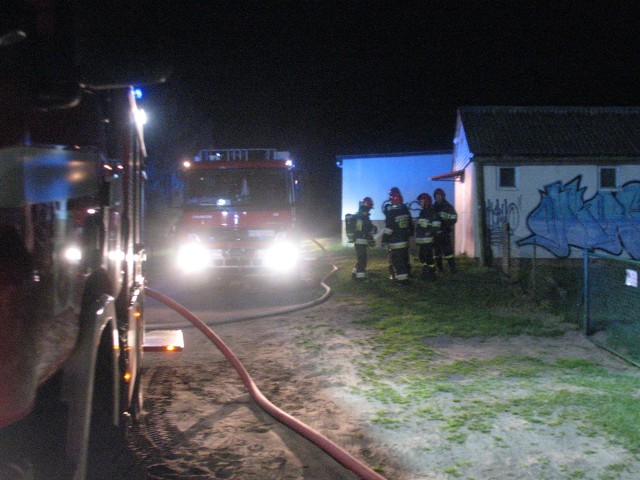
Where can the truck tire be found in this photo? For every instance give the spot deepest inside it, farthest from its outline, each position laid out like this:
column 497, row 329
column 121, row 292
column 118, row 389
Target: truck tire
column 109, row 456
column 105, row 438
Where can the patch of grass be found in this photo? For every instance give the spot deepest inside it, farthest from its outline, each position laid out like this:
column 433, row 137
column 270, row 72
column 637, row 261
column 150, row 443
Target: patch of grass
column 474, row 302
column 453, row 470
column 614, row 471
column 310, row 344
column 572, row 474
column 468, row 395
column 553, row 394
column 384, row 419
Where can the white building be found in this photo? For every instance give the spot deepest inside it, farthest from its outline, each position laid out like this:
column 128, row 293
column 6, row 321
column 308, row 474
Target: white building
column 564, row 178
column 373, row 176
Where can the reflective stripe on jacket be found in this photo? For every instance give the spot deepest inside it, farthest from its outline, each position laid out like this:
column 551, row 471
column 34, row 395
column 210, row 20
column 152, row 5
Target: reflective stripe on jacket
column 398, row 225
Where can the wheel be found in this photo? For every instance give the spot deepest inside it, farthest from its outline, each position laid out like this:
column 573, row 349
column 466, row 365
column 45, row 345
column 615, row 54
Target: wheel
column 109, row 456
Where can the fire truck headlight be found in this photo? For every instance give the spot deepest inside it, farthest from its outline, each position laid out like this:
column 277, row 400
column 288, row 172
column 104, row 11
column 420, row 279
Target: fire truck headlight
column 73, row 254
column 283, row 256
column 192, row 257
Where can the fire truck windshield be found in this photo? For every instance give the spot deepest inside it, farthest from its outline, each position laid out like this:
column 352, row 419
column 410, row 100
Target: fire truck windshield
column 243, row 187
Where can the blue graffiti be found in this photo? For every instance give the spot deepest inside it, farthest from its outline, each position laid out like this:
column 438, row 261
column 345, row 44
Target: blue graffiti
column 609, row 221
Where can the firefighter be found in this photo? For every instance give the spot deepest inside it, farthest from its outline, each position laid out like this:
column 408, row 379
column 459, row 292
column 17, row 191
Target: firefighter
column 428, row 224
column 364, row 231
column 398, row 229
column 443, row 247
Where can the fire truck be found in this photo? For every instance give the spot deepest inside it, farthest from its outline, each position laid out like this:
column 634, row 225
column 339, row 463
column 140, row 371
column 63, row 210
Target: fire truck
column 72, row 158
column 238, row 213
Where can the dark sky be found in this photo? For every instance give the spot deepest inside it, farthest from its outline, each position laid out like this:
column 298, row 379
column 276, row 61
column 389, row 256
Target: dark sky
column 326, row 78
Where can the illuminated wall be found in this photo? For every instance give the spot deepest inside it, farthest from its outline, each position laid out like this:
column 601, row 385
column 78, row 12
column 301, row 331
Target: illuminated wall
column 373, row 176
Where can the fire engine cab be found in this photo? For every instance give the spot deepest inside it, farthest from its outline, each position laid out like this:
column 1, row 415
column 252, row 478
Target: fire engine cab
column 72, row 172
column 238, row 212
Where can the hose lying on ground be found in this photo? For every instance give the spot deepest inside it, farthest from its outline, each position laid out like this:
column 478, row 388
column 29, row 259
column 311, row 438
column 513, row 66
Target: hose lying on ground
column 339, row 454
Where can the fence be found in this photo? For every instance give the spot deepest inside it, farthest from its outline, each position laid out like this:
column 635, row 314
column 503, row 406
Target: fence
column 516, row 264
column 600, row 292
column 612, row 304
column 555, row 281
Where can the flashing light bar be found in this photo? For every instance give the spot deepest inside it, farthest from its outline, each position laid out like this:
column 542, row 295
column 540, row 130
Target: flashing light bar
column 243, row 155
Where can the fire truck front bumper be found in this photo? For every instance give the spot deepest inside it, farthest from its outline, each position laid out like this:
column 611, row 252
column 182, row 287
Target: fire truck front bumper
column 276, row 258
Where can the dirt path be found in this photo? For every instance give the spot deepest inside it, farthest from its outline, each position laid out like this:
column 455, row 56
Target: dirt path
column 201, row 423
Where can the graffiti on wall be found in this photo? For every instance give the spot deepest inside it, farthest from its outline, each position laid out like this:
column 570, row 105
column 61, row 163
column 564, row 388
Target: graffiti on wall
column 608, row 221
column 499, row 212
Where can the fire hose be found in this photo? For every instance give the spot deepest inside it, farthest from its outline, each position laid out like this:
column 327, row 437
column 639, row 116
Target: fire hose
column 338, row 453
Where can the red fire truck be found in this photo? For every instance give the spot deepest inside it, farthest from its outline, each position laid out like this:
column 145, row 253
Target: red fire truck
column 238, row 212
column 71, row 251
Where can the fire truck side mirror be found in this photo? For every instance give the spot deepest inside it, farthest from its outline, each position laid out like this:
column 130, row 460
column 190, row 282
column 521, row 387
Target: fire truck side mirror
column 177, row 198
column 299, row 182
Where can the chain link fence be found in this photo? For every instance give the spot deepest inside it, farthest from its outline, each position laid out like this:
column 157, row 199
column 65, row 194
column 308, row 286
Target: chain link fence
column 598, row 292
column 516, row 264
column 612, row 304
column 556, row 282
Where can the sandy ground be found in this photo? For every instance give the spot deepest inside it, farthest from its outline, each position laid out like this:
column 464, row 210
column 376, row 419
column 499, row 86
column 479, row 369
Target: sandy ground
column 202, row 423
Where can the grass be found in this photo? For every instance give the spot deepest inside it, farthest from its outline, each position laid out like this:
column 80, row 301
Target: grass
column 484, row 305
column 411, row 382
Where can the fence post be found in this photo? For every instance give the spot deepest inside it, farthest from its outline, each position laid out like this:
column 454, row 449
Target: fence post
column 506, row 249
column 533, row 274
column 585, row 291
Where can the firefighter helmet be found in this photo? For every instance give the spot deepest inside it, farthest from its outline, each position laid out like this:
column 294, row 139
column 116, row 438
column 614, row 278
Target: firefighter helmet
column 439, row 191
column 394, row 191
column 367, row 202
column 424, row 199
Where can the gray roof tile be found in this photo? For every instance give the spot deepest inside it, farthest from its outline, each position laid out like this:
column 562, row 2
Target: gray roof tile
column 552, row 131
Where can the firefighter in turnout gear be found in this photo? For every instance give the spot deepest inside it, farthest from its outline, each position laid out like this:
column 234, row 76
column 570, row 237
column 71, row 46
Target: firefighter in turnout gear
column 363, row 238
column 398, row 229
column 443, row 247
column 428, row 224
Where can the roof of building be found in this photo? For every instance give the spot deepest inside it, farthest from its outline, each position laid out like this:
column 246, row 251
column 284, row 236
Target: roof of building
column 552, row 131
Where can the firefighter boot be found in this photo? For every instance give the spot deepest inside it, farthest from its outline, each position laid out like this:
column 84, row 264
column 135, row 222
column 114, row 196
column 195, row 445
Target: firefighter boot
column 392, row 273
column 428, row 273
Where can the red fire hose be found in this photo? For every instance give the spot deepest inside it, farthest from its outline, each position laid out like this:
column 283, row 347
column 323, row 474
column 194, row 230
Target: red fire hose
column 339, row 454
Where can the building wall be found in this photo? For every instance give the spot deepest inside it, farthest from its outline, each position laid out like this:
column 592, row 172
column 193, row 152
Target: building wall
column 466, row 229
column 466, row 226
column 373, row 176
column 559, row 208
column 461, row 153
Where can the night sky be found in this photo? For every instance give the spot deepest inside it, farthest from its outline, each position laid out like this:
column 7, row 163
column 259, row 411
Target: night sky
column 327, row 78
